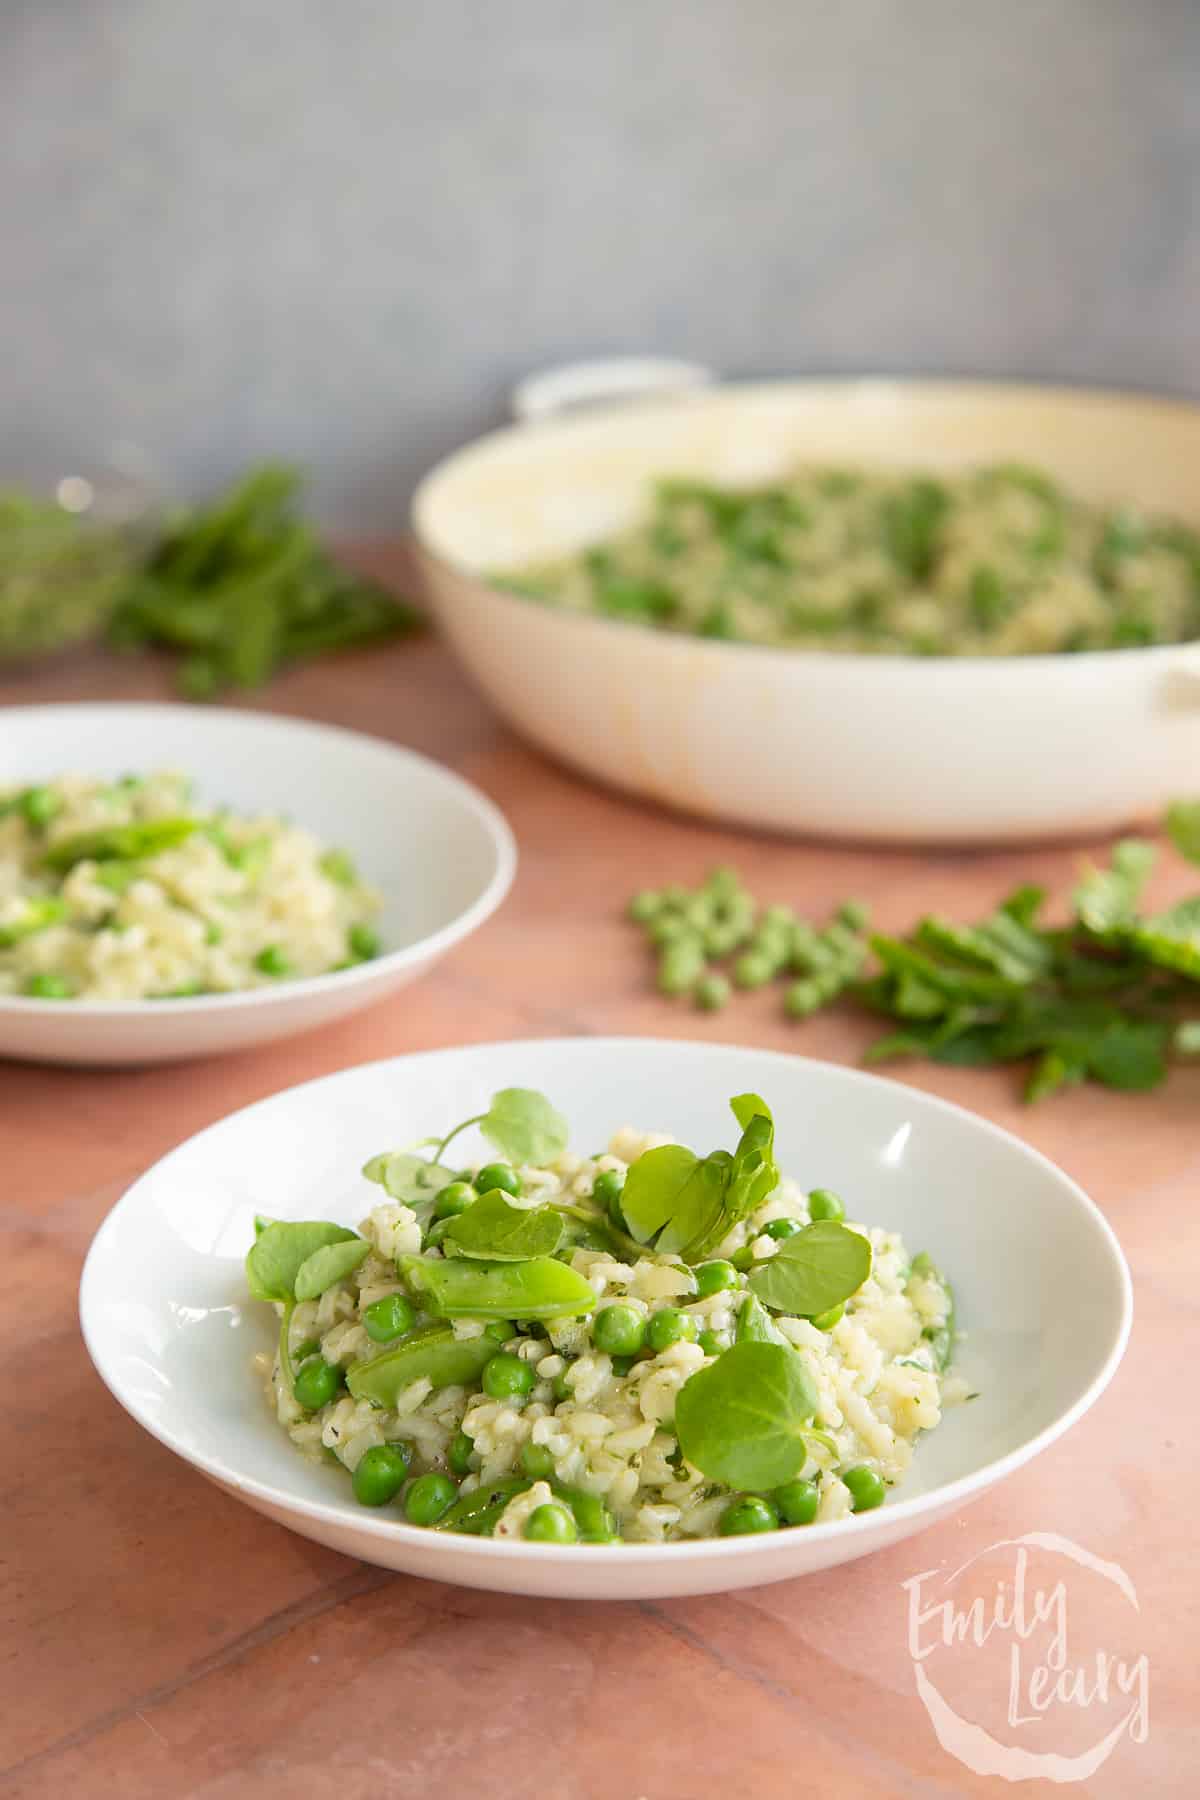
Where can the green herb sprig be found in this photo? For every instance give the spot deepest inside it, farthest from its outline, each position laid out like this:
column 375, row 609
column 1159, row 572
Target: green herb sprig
column 242, row 586
column 1109, row 997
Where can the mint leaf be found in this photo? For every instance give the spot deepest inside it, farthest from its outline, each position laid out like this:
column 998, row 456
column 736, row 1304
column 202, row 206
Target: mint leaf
column 741, row 1420
column 813, row 1270
column 328, row 1265
column 494, row 1229
column 1107, row 898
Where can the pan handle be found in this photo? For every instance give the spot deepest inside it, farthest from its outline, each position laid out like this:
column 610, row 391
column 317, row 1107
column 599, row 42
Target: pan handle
column 573, row 386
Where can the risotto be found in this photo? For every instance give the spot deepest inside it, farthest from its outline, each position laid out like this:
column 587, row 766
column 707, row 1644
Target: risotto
column 125, row 891
column 997, row 562
column 642, row 1345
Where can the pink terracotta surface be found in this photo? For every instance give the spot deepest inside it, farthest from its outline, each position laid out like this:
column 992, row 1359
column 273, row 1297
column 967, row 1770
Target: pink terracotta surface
column 159, row 1639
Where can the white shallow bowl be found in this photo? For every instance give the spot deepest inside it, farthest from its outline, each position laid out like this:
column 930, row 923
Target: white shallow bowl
column 896, row 749
column 440, row 853
column 1042, row 1287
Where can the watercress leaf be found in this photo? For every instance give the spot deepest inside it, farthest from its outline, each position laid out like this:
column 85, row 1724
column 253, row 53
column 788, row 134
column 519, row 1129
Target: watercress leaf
column 1183, row 824
column 741, row 1419
column 408, row 1178
column 653, row 1186
column 813, row 1270
column 698, row 1212
column 261, row 1221
column 329, row 1264
column 1171, row 939
column 493, row 1228
column 748, row 1106
column 281, row 1250
column 524, row 1126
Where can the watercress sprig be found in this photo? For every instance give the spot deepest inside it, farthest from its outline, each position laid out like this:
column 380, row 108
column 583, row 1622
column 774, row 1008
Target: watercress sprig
column 741, row 1419
column 689, row 1204
column 289, row 1261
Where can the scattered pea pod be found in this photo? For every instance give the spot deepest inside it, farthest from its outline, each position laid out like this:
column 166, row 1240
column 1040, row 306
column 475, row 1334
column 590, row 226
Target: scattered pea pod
column 538, row 1289
column 431, row 1352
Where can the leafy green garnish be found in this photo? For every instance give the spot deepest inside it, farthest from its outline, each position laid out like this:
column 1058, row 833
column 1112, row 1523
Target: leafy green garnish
column 408, row 1178
column 741, row 1419
column 330, row 1264
column 521, row 1123
column 813, row 1270
column 280, row 1251
column 692, row 1203
column 494, row 1229
column 754, row 1324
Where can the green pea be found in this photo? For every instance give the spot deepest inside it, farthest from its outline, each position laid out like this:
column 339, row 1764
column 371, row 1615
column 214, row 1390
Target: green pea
column 802, row 999
column 500, row 1330
column 723, row 882
column 308, row 1348
column 712, row 1343
column 824, row 1205
column 645, row 906
column 742, row 1259
column 381, row 1473
column 561, row 1388
column 497, row 1175
column 715, row 1277
column 38, row 806
column 670, row 928
column 779, row 917
column 550, row 1524
column 607, row 1189
column 272, row 961
column 460, row 1453
column 536, row 1461
column 339, row 867
column 48, row 987
column 867, row 1489
column 782, row 1228
column 453, row 1199
column 797, row 1502
column 749, row 1514
column 752, row 969
column 619, row 1329
column 827, row 1320
column 855, row 914
column 669, row 1325
column 712, row 992
column 389, row 1318
column 363, row 942
column 428, row 1498
column 680, row 967
column 507, row 1377
column 316, row 1384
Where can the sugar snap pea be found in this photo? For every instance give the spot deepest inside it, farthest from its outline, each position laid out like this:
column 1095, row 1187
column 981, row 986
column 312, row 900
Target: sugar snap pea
column 538, row 1289
column 432, row 1352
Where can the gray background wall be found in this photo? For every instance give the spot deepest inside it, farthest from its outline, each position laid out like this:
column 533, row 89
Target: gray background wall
column 338, row 229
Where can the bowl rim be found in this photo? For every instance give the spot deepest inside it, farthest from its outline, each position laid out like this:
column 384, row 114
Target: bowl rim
column 934, row 1503
column 937, row 668
column 484, row 810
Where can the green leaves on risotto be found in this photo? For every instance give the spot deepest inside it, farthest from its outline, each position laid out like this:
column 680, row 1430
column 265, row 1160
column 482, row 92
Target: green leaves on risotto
column 522, row 1124
column 281, row 1250
column 408, row 1178
column 493, row 1228
column 693, row 1203
column 330, row 1264
column 741, row 1419
column 815, row 1269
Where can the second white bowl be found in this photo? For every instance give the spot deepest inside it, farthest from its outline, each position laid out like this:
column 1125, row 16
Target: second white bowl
column 441, row 854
